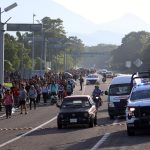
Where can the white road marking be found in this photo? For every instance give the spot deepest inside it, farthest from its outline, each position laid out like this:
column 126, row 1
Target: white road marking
column 115, row 122
column 104, row 138
column 19, row 137
column 83, row 90
column 2, row 116
column 101, row 141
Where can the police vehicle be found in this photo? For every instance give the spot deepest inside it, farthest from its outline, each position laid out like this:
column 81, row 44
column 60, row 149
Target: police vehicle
column 138, row 107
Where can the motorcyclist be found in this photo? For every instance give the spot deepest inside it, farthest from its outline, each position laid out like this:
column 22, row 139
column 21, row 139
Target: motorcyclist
column 96, row 96
column 104, row 77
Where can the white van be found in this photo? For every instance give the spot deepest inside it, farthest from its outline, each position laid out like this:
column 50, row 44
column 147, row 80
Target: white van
column 118, row 94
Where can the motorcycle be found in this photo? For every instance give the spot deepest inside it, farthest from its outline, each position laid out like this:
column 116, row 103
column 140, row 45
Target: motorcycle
column 53, row 99
column 98, row 101
column 104, row 79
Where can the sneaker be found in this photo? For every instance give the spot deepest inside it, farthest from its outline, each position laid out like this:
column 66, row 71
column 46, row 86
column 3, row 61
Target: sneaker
column 21, row 113
column 25, row 113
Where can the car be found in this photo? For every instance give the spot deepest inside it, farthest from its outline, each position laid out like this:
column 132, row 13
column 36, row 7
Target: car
column 109, row 74
column 118, row 93
column 73, row 82
column 138, row 108
column 92, row 79
column 77, row 110
column 68, row 75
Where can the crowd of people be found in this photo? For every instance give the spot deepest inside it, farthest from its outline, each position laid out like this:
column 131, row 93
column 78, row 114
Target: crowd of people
column 35, row 90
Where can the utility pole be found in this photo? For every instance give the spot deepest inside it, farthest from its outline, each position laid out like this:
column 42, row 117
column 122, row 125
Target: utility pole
column 1, row 51
column 33, row 64
column 2, row 42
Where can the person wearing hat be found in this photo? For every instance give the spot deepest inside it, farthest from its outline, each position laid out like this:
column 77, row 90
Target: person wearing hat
column 8, row 102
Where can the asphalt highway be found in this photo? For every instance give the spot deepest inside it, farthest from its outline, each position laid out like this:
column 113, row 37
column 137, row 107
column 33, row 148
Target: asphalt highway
column 38, row 130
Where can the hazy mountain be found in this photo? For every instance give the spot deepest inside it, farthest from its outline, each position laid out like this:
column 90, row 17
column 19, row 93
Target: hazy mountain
column 126, row 24
column 113, row 32
column 105, row 37
column 72, row 22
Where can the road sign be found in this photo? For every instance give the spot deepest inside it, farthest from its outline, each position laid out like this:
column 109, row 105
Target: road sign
column 128, row 64
column 138, row 62
column 24, row 27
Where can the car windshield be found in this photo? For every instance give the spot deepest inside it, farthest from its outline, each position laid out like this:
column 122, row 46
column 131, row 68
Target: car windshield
column 143, row 94
column 75, row 102
column 119, row 89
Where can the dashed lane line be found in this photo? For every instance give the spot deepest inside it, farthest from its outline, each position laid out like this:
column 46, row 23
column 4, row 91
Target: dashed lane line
column 101, row 141
column 12, row 129
column 29, row 128
column 104, row 138
column 83, row 90
column 19, row 137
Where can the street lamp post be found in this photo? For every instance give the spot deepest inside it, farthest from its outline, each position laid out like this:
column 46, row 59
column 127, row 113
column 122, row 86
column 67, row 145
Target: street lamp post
column 2, row 42
column 33, row 45
column 1, row 51
column 43, row 44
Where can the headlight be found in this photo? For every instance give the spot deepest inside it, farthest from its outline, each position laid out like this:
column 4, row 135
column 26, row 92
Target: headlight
column 131, row 112
column 86, row 114
column 132, row 109
column 111, row 104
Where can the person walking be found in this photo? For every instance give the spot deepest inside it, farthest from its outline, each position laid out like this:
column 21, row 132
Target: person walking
column 81, row 80
column 8, row 102
column 39, row 92
column 45, row 93
column 32, row 96
column 22, row 99
column 1, row 96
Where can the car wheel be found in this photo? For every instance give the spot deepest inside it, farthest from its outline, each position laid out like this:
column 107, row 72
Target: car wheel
column 95, row 120
column 130, row 131
column 91, row 123
column 111, row 116
column 59, row 125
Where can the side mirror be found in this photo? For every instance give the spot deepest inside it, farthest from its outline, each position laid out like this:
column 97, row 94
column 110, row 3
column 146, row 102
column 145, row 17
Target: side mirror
column 106, row 92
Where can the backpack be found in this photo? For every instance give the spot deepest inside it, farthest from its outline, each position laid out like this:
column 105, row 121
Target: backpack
column 69, row 88
column 23, row 95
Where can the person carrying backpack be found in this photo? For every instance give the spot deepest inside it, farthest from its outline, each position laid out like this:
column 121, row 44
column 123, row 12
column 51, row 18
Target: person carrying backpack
column 69, row 88
column 22, row 99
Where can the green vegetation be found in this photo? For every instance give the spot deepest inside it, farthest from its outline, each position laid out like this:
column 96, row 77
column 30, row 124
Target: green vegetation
column 135, row 45
column 53, row 40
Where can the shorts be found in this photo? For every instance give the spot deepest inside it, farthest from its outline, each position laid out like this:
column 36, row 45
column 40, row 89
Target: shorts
column 22, row 102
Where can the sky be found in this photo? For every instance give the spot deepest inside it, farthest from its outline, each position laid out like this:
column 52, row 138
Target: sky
column 100, row 11
column 97, row 11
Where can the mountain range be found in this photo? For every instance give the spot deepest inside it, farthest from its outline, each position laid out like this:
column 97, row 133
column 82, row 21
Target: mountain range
column 93, row 34
column 90, row 33
column 110, row 32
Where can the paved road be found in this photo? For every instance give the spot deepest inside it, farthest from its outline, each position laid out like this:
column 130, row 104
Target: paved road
column 38, row 131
